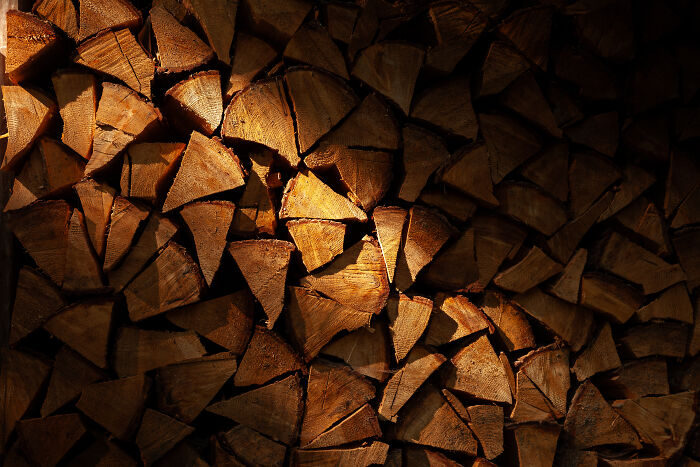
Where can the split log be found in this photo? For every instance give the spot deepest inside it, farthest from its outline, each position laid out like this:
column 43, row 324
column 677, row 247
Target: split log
column 535, row 445
column 255, row 212
column 454, row 317
column 96, row 200
column 36, row 300
column 226, row 321
column 158, row 434
column 673, row 303
column 454, row 267
column 365, row 28
column 313, row 45
column 630, row 261
column 477, row 371
column 250, row 56
column 528, row 29
column 218, row 20
column 389, row 223
column 665, row 339
column 566, row 111
column 70, row 375
column 430, row 421
column 148, row 168
column 137, row 350
column 264, row 265
column 277, row 22
column 635, row 181
column 28, row 113
column 682, row 179
column 534, row 208
column 282, row 424
column 469, row 173
column 426, row 233
column 495, row 239
column 306, row 234
column 594, row 79
column 591, row 422
column 356, row 279
column 370, row 125
column 320, row 102
column 568, row 285
column 365, row 350
column 22, row 378
column 548, row 368
column 448, row 106
column 365, row 175
column 395, row 81
column 207, row 167
column 486, row 421
column 509, row 143
column 195, row 104
column 687, row 211
column 686, row 242
column 306, row 196
column 502, row 66
column 76, row 93
column 122, row 117
column 172, row 280
column 550, row 171
column 253, row 448
column 363, row 456
column 82, row 273
column 456, row 28
column 525, row 97
column 423, row 153
column 563, row 243
column 209, row 223
column 408, row 318
column 47, row 440
column 454, row 205
column 85, row 327
column 608, row 30
column 99, row 15
column 637, row 378
column 425, row 458
column 61, row 13
column 179, row 49
column 530, row 404
column 599, row 132
column 260, row 113
column 590, row 175
column 267, row 357
column 599, row 356
column 118, row 54
column 644, row 219
column 175, row 394
column 419, row 365
column 534, row 268
column 31, row 45
column 42, row 229
column 570, row 322
column 116, row 405
column 359, row 425
column 511, row 324
column 314, row 320
column 124, row 222
column 340, row 18
column 333, row 392
column 609, row 296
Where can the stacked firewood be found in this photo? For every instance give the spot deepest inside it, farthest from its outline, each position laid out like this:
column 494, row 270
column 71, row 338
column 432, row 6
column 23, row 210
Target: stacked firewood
column 420, row 233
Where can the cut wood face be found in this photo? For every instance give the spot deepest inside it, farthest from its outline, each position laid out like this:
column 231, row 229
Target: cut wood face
column 335, row 233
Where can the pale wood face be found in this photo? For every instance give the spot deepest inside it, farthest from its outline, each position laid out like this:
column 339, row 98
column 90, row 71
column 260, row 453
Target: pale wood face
column 349, row 233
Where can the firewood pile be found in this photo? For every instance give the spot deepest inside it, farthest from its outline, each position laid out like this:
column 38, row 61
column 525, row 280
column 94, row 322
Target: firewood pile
column 410, row 233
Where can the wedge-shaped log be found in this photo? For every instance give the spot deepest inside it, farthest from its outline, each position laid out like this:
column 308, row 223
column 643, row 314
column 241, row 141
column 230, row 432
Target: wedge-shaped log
column 268, row 356
column 99, row 15
column 118, row 54
column 264, row 265
column 307, row 233
column 196, row 103
column 148, row 168
column 356, row 279
column 179, row 49
column 208, row 167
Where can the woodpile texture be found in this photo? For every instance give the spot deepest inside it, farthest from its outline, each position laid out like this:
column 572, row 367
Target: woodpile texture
column 351, row 233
